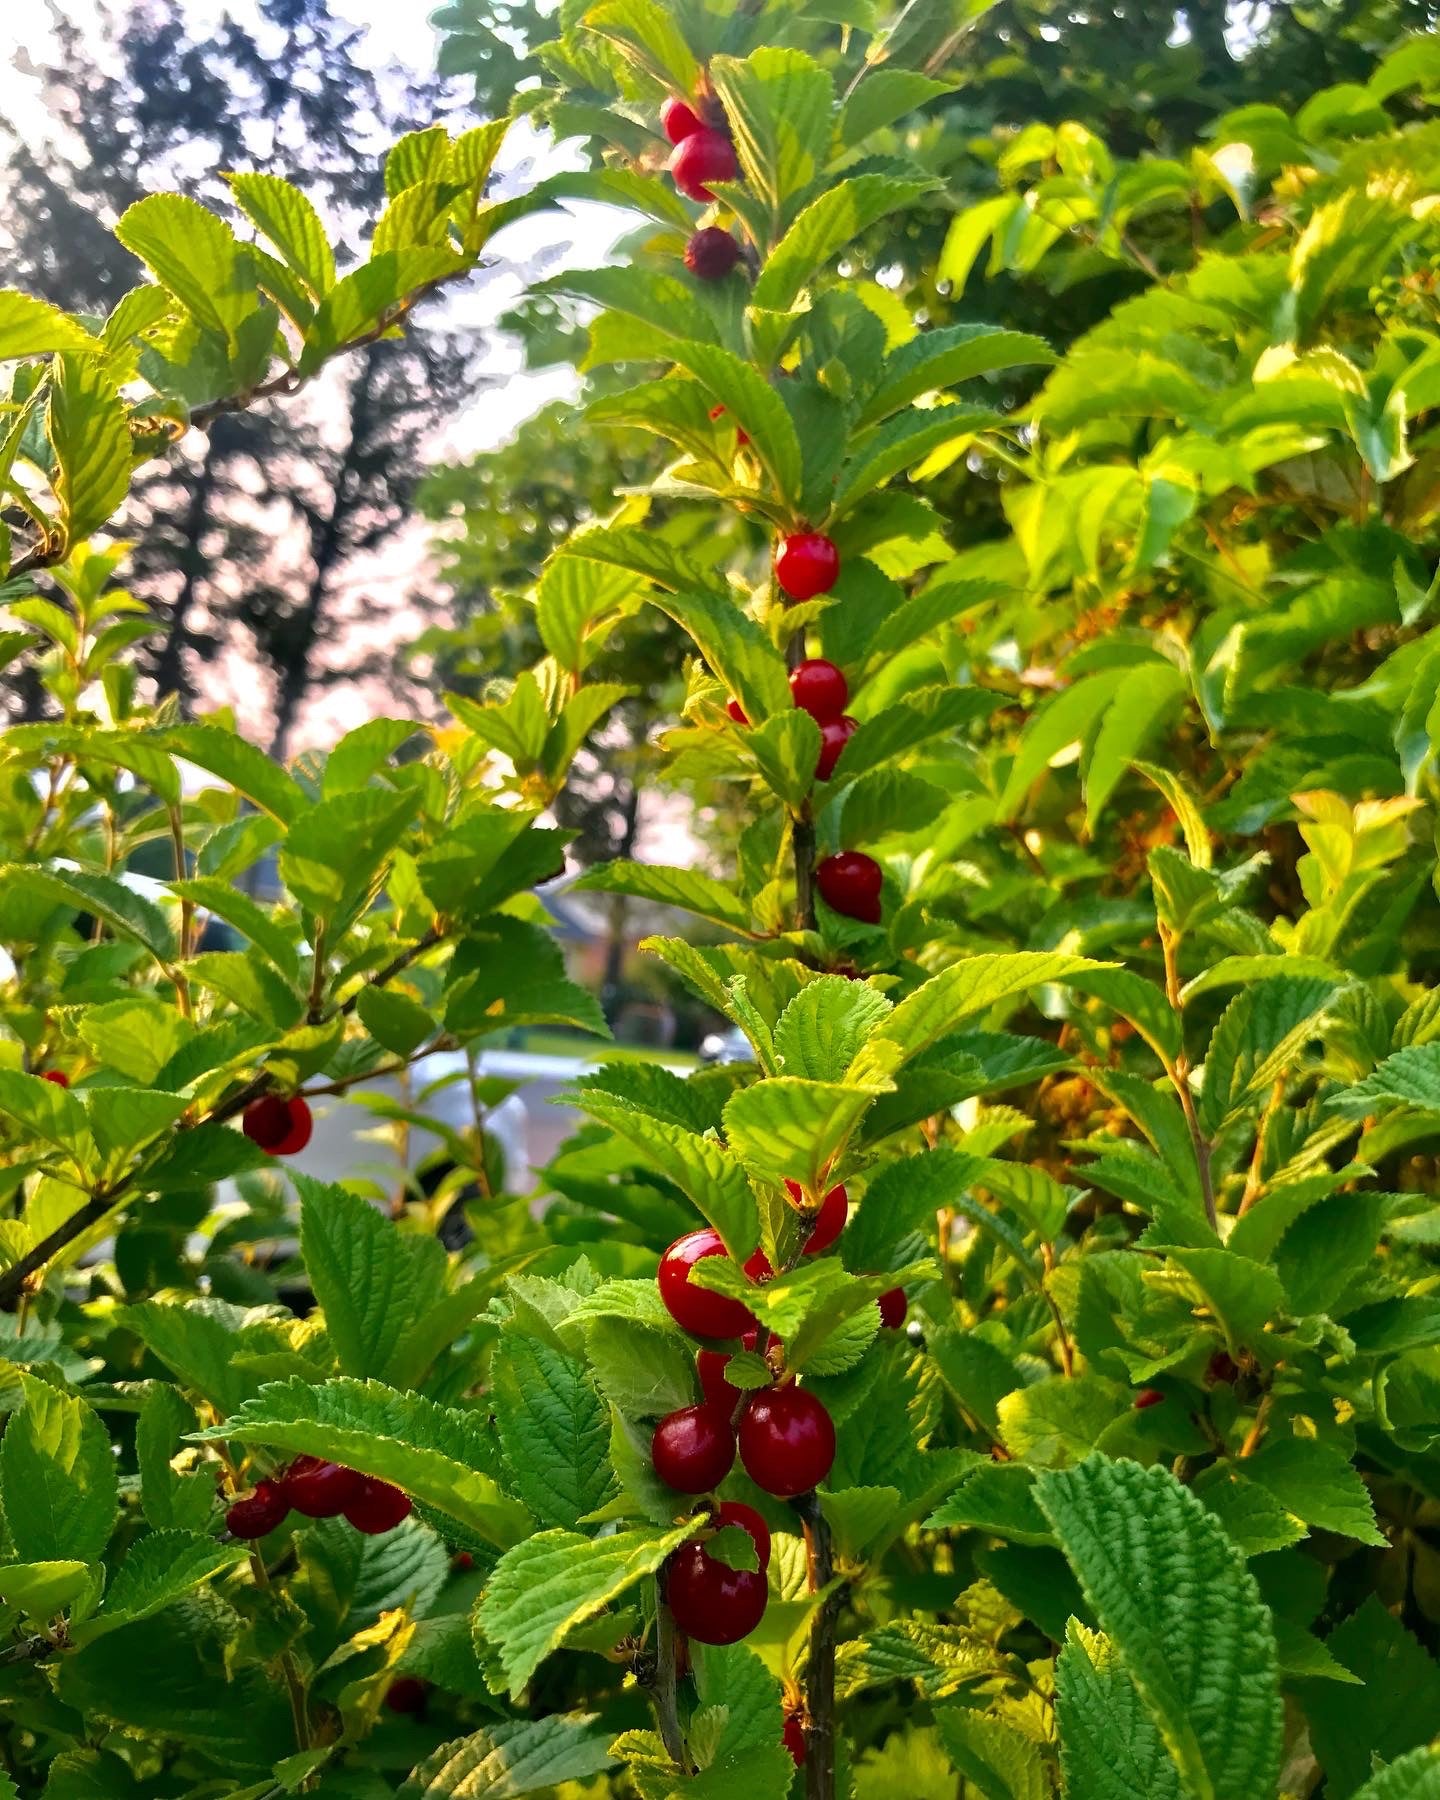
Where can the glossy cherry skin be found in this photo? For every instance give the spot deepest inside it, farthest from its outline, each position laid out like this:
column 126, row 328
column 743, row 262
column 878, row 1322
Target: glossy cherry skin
column 793, row 1738
column 736, row 1512
column 711, row 253
column 850, row 884
column 695, row 1309
column 406, row 1694
column 893, row 1308
column 736, row 712
column 819, row 688
column 787, row 1440
column 258, row 1514
column 693, row 1450
column 319, row 1489
column 807, row 564
column 835, row 734
column 1148, row 1397
column 702, row 157
column 282, row 1127
column 712, row 1603
column 678, row 119
column 378, row 1507
column 829, row 1221
column 58, row 1076
column 710, row 1366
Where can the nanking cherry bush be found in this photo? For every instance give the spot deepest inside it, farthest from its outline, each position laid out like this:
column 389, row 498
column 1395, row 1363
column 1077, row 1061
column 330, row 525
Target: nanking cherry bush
column 1020, row 1376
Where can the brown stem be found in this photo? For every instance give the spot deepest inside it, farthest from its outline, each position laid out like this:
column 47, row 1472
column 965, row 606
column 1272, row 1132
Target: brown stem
column 820, row 1666
column 1257, row 1430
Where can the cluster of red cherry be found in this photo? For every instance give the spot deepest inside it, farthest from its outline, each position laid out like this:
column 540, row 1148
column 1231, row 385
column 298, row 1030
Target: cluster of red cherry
column 784, row 1434
column 318, row 1490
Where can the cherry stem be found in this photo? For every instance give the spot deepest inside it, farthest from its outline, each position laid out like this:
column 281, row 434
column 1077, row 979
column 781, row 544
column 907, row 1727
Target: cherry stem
column 820, row 1666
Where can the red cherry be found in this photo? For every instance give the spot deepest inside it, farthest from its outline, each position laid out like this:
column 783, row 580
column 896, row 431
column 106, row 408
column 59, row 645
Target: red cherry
column 793, row 1738
column 702, row 157
column 719, row 1392
column 807, row 564
column 850, row 884
column 711, row 253
column 319, row 1489
column 742, row 438
column 819, row 688
column 678, row 119
column 280, row 1126
column 1223, row 1367
column 696, row 1309
column 829, row 1221
column 1148, row 1397
column 787, row 1440
column 693, row 1450
column 893, row 1308
column 736, row 712
column 712, row 1603
column 58, row 1076
column 835, row 734
column 736, row 1512
column 757, row 1267
column 406, row 1694
column 258, row 1514
column 463, row 1560
column 378, row 1507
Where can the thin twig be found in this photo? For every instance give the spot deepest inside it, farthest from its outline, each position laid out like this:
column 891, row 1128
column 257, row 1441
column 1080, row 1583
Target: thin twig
column 820, row 1665
column 662, row 1689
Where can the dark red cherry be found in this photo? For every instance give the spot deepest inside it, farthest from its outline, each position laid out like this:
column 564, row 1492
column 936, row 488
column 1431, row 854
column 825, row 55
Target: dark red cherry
column 736, row 711
column 711, row 1365
column 678, row 119
column 282, row 1127
column 806, row 564
column 829, row 1221
column 320, row 1489
column 693, row 1450
column 58, row 1076
column 835, row 734
column 819, row 688
column 378, row 1507
column 893, row 1308
column 711, row 253
column 696, row 1309
column 712, row 1603
column 700, row 158
column 1148, row 1397
column 406, row 1694
column 850, row 883
column 258, row 1514
column 787, row 1440
column 793, row 1738
column 1222, row 1367
column 735, row 1512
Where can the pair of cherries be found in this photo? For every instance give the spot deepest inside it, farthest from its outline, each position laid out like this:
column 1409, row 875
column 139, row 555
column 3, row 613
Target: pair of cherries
column 819, row 688
column 703, row 151
column 318, row 1490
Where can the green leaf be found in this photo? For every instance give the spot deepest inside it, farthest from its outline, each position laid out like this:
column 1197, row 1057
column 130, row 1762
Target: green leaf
column 735, row 648
column 900, row 443
column 554, row 1428
column 881, row 98
column 1316, row 1482
column 125, row 911
column 195, row 255
column 1058, row 1420
column 1109, row 1747
column 1140, row 706
column 556, row 1580
column 335, row 851
column 931, row 712
column 1352, row 1728
column 290, row 221
column 778, row 104
column 825, row 227
column 44, row 1111
column 754, row 407
column 1059, row 722
column 704, row 1172
column 794, row 1129
column 437, row 1454
column 1411, row 1078
column 33, row 327
column 247, row 769
column 786, row 749
column 373, row 1280
column 512, row 1757
column 1174, row 1596
column 995, row 1759
column 1412, row 1777
column 394, row 1019
column 263, row 928
column 370, row 295
column 88, row 431
column 44, row 1590
column 825, row 1026
column 154, row 1572
column 888, row 800
column 59, row 1488
column 972, row 987
column 646, row 33
column 663, row 302
column 905, row 1196
column 938, row 359
column 688, row 889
